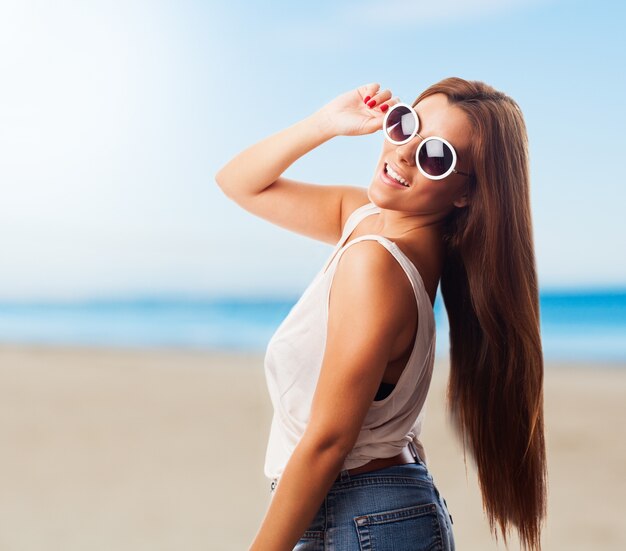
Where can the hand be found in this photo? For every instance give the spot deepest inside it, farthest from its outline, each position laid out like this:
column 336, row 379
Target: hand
column 349, row 115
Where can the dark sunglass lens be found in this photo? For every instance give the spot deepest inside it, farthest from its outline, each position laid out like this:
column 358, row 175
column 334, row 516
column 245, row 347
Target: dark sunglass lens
column 400, row 124
column 435, row 157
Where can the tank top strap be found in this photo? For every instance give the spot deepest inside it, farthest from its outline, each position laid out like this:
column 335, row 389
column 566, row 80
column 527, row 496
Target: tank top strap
column 355, row 217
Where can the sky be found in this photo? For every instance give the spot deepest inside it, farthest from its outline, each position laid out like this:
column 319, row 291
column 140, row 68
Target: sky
column 115, row 117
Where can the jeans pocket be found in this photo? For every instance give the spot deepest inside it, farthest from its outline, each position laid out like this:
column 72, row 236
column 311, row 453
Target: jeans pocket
column 414, row 528
column 311, row 540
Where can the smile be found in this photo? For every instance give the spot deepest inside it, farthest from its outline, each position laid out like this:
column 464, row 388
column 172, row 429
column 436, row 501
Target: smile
column 391, row 177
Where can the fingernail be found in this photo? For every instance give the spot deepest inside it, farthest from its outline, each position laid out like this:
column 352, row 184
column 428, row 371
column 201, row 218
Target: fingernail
column 384, row 107
column 367, row 98
column 371, row 103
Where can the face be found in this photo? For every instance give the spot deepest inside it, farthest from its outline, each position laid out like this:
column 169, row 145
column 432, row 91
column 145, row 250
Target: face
column 437, row 117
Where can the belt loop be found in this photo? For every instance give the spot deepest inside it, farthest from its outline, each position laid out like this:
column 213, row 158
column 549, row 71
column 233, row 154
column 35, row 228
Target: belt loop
column 344, row 476
column 414, row 453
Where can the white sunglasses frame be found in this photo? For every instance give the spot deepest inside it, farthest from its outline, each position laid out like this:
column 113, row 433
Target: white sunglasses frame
column 424, row 140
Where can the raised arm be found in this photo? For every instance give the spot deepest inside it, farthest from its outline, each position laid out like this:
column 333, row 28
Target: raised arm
column 253, row 180
column 253, row 177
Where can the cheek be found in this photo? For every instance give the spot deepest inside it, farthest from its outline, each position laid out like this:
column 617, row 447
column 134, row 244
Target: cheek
column 434, row 193
column 431, row 188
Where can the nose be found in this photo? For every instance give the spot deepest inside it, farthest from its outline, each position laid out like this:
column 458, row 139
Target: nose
column 406, row 153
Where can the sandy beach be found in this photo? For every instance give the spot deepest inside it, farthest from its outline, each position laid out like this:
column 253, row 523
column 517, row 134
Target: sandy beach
column 163, row 450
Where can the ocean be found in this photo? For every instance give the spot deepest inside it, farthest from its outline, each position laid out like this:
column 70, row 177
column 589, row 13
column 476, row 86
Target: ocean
column 575, row 326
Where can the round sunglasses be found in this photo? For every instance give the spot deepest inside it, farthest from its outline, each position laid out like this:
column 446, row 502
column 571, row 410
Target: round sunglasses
column 435, row 156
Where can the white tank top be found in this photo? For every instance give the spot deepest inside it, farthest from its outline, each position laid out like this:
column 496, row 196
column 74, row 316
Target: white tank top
column 293, row 361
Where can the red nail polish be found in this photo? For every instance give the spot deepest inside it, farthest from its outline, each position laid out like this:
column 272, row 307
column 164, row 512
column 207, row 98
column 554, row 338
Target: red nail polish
column 367, row 98
column 371, row 103
column 384, row 107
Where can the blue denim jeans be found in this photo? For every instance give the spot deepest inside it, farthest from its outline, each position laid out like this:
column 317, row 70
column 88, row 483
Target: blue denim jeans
column 397, row 508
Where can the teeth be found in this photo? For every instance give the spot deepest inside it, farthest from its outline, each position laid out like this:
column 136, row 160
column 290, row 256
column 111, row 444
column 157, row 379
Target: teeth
column 396, row 176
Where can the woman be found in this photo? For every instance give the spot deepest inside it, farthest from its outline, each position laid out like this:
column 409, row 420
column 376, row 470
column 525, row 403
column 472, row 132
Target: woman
column 348, row 371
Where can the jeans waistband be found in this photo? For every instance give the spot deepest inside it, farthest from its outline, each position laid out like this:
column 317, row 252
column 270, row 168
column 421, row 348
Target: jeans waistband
column 345, row 476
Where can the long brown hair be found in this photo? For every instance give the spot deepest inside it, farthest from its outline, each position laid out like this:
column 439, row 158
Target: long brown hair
column 489, row 287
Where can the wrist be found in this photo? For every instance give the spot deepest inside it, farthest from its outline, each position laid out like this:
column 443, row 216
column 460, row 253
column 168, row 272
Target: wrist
column 322, row 122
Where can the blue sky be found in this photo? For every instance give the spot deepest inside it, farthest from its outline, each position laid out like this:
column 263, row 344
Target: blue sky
column 115, row 117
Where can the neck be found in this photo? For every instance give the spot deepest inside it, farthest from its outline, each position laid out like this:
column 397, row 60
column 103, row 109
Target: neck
column 407, row 225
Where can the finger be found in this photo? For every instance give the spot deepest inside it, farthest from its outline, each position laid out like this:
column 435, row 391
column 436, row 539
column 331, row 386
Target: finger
column 369, row 90
column 393, row 100
column 377, row 98
column 384, row 106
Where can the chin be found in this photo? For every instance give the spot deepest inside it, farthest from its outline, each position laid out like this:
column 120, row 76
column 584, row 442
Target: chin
column 378, row 195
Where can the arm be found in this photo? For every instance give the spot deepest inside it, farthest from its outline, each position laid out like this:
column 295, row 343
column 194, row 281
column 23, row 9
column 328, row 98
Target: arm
column 253, row 179
column 260, row 165
column 366, row 314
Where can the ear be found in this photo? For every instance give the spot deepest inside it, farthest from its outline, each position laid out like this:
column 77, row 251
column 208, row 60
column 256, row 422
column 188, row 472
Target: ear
column 462, row 201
